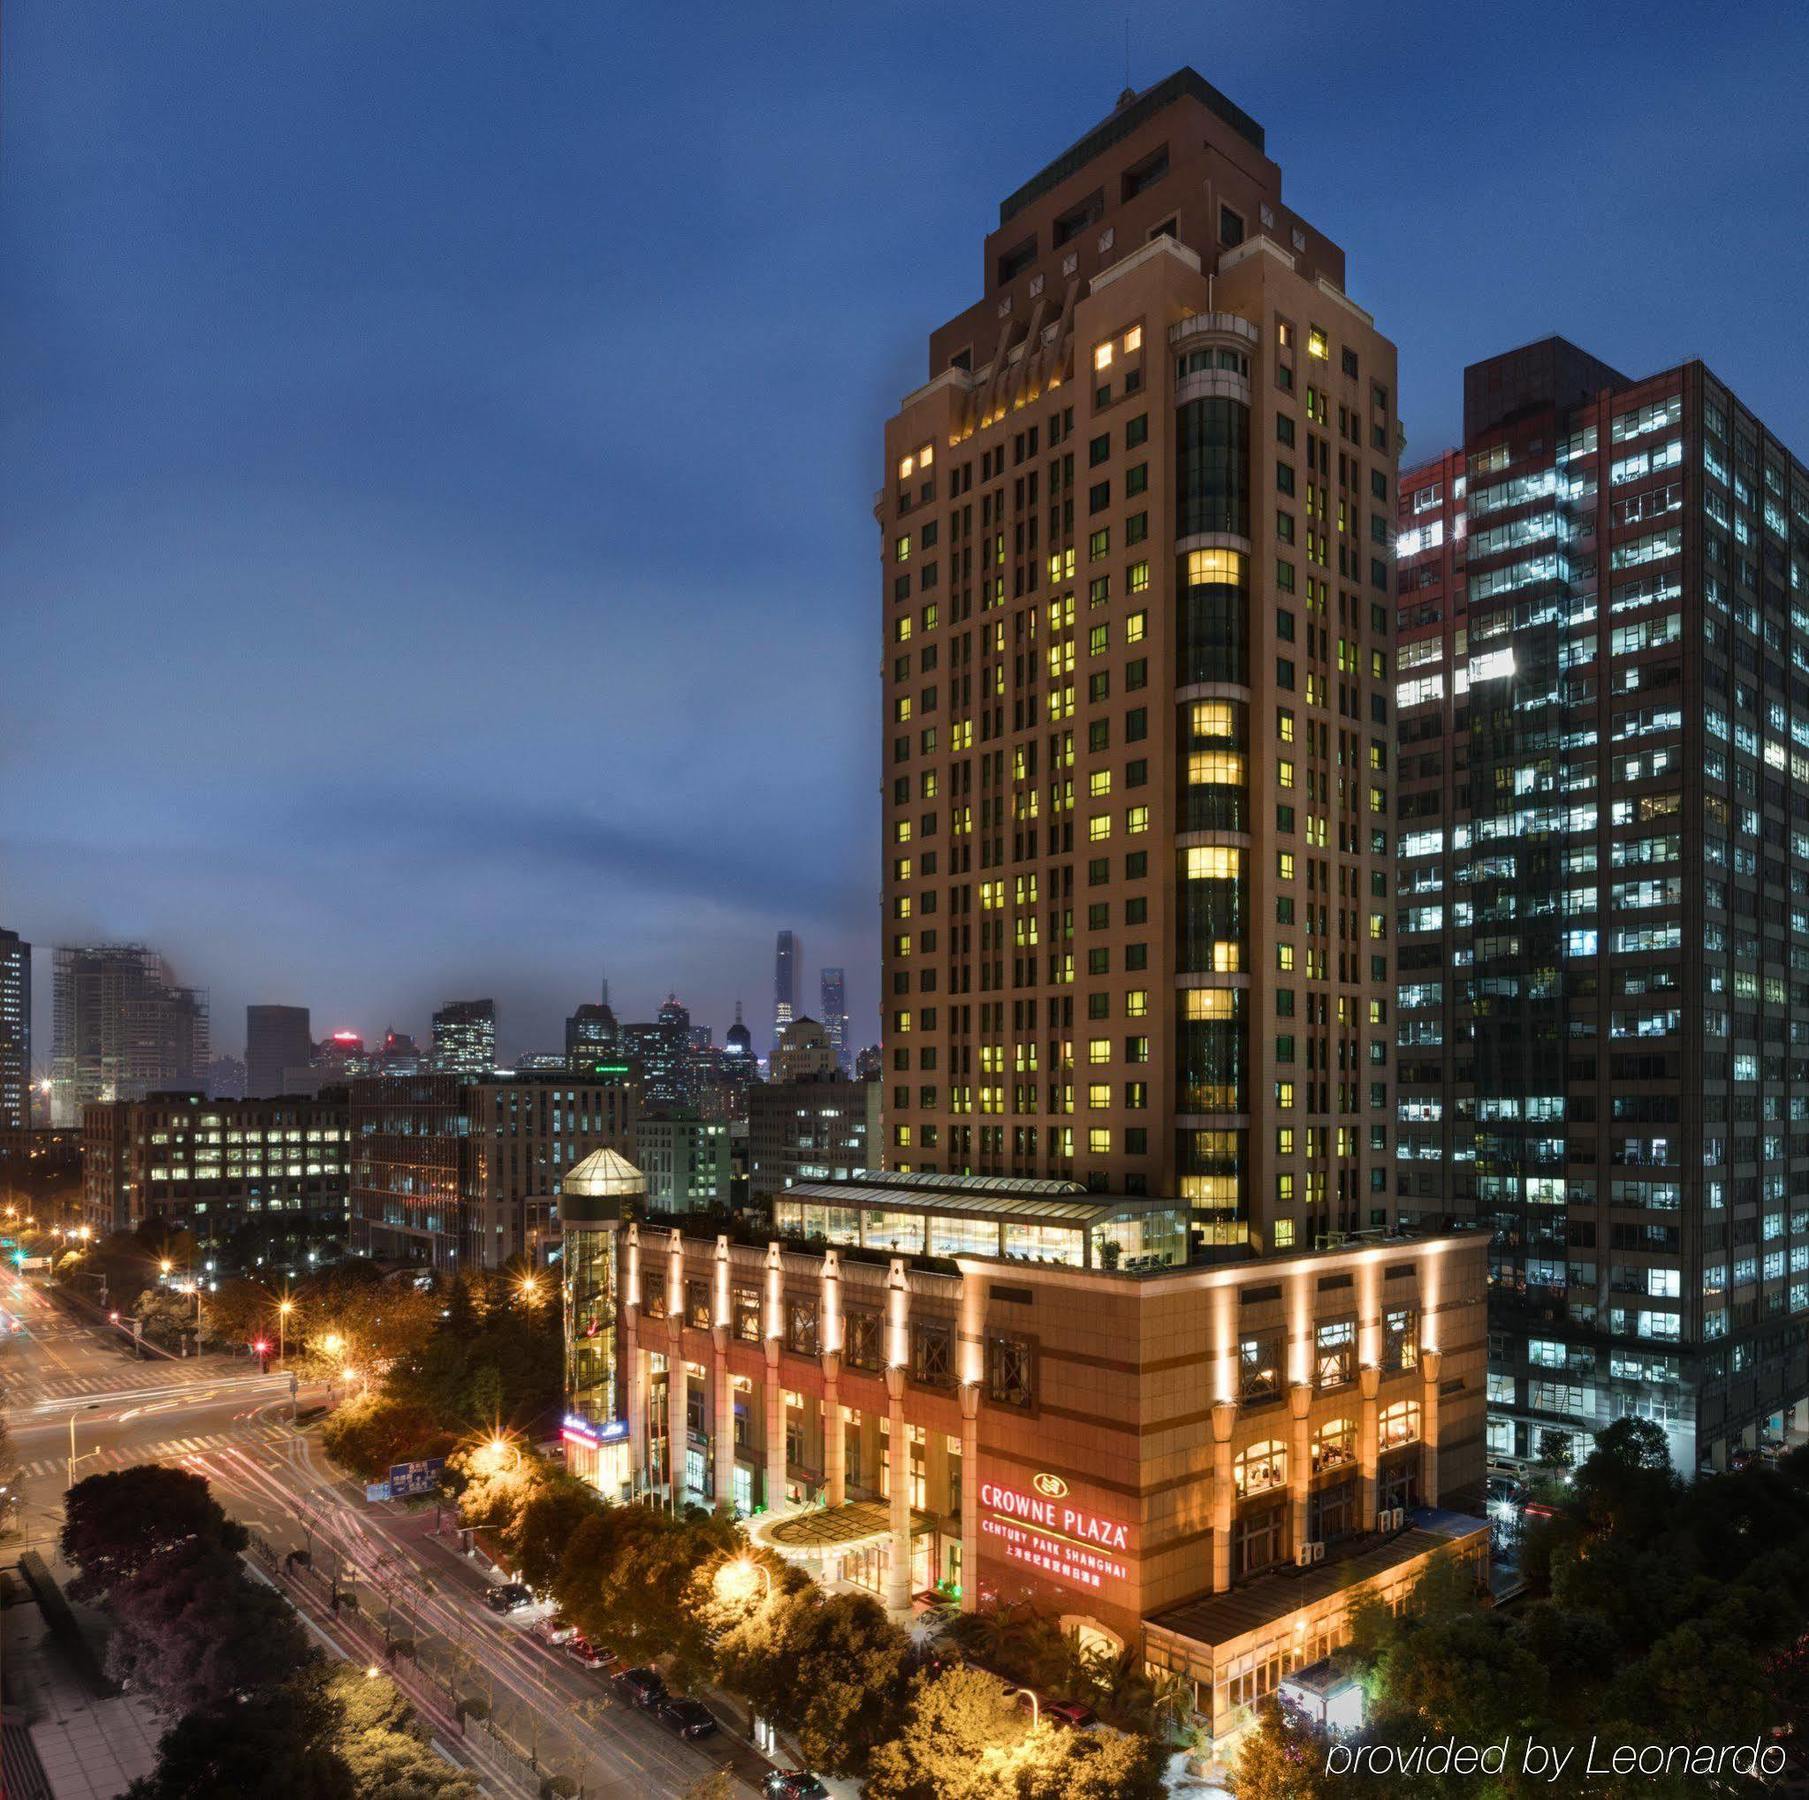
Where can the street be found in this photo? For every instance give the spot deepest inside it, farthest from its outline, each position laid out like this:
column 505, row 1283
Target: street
column 213, row 1416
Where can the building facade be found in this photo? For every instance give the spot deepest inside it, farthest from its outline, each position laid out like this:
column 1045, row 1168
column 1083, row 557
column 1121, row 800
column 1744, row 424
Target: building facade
column 1006, row 1392
column 122, row 1027
column 277, row 1039
column 407, row 1132
column 1603, row 882
column 1137, row 537
column 685, row 1163
column 788, row 976
column 15, row 1032
column 209, row 1166
column 817, row 1128
column 833, row 992
column 464, row 1039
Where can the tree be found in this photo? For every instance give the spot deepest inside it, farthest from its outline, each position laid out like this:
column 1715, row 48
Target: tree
column 957, row 1741
column 273, row 1743
column 371, row 1433
column 237, row 1311
column 117, row 1523
column 847, row 1662
column 383, row 1746
column 545, row 1526
column 1282, row 1759
column 1089, row 1765
column 718, row 1785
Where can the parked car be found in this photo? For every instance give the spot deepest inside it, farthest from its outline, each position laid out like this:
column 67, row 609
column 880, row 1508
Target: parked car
column 585, row 1654
column 793, row 1784
column 641, row 1687
column 689, row 1718
column 1070, row 1712
column 507, row 1597
column 555, row 1628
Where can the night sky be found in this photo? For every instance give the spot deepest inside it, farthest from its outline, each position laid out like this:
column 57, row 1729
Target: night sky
column 437, row 442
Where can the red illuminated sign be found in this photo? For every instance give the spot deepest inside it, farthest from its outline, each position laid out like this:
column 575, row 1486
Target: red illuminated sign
column 1045, row 1529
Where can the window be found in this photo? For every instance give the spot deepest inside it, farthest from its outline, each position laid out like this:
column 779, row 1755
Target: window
column 861, row 1339
column 801, row 1326
column 1259, row 1365
column 932, row 1354
column 1335, row 1352
column 1231, row 227
column 1259, row 1468
column 1334, row 1445
column 1008, row 1370
column 747, row 1314
column 1399, row 1424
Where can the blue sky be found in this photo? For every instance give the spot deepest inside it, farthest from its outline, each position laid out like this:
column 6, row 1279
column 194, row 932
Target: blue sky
column 437, row 441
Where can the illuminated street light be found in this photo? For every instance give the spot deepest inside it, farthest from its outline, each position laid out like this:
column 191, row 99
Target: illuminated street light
column 735, row 1581
column 530, row 1288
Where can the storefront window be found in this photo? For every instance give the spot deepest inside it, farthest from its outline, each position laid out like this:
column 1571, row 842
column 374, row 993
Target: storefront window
column 1334, row 1445
column 1400, row 1424
column 1261, row 1467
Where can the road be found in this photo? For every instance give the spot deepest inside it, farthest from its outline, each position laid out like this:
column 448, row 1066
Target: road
column 226, row 1422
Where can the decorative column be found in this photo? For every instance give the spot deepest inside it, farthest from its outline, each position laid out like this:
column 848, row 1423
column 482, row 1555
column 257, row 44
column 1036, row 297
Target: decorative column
column 835, row 1438
column 1369, row 1383
column 775, row 1429
column 970, row 1496
column 1431, row 1362
column 1224, row 1496
column 635, row 1362
column 898, row 1493
column 1300, row 1461
column 722, row 1395
column 678, row 1411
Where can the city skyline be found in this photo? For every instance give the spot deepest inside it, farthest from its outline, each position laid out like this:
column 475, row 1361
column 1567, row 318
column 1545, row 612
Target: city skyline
column 300, row 824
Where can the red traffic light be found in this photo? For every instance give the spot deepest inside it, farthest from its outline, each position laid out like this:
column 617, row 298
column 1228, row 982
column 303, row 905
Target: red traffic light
column 261, row 1347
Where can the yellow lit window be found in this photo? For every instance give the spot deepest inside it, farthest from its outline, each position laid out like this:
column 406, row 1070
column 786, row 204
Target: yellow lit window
column 1099, row 783
column 1213, row 862
column 1284, row 958
column 902, row 549
column 1284, row 1228
column 901, row 906
column 1284, row 865
column 1377, row 928
column 1284, row 724
column 901, row 1136
column 1214, row 719
column 1099, row 1140
column 1215, row 768
column 1099, row 1050
column 1136, row 627
column 926, row 456
column 932, row 615
column 907, row 468
column 1136, row 1003
column 1099, row 1095
column 1133, row 339
column 901, row 629
column 901, row 869
column 1378, row 1012
column 1099, row 639
column 1284, row 1095
column 1378, row 800
column 1099, row 827
column 929, row 784
column 901, row 831
column 1136, row 819
column 1215, row 568
column 901, row 944
column 901, row 708
column 1209, row 1003
column 1284, row 334
column 1061, row 613
column 1317, row 344
column 1284, row 773
column 1284, row 1140
column 1102, row 355
column 1138, row 578
column 901, row 1021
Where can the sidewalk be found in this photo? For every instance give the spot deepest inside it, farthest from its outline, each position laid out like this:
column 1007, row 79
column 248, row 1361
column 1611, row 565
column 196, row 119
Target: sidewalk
column 90, row 1749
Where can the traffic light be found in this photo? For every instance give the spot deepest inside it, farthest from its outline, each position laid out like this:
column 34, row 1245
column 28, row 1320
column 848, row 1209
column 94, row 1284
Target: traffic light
column 262, row 1347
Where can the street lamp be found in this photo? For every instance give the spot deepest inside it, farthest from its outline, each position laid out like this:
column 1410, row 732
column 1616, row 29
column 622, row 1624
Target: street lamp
column 735, row 1580
column 92, row 1406
column 283, row 1309
column 530, row 1288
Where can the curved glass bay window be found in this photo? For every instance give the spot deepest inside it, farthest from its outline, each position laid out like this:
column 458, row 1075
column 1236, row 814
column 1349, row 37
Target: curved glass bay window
column 1212, row 1178
column 1214, row 589
column 1214, row 768
column 1211, row 914
column 1212, row 1051
column 590, row 1322
column 1212, row 467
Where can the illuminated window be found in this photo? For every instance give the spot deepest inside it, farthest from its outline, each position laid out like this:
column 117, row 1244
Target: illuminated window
column 901, row 629
column 1260, row 1468
column 1214, row 719
column 1284, row 958
column 901, row 869
column 1284, row 1095
column 1213, row 862
column 1138, row 578
column 926, row 456
column 1284, row 865
column 1215, row 768
column 901, row 831
column 1135, row 627
column 1099, row 782
column 1136, row 819
column 1102, row 355
column 1334, row 1444
column 1133, row 339
column 1284, row 724
column 1099, row 1095
column 1284, row 1228
column 1099, row 1140
column 1209, row 1003
column 1284, row 773
column 1317, row 344
column 907, row 468
column 1099, row 1050
column 1399, row 1424
column 901, row 708
column 1136, row 1003
column 1099, row 827
column 902, row 549
column 1215, row 568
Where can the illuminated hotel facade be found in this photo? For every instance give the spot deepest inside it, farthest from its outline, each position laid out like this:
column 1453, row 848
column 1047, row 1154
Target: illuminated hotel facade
column 1137, row 546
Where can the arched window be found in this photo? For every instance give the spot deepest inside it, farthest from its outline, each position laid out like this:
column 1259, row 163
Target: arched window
column 1334, row 1445
column 1261, row 1467
column 1400, row 1424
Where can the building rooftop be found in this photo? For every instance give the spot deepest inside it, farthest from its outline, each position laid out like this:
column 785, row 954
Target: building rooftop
column 603, row 1175
column 1034, row 1202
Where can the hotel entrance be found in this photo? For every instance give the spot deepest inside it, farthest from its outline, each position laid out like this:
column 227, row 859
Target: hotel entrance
column 851, row 1545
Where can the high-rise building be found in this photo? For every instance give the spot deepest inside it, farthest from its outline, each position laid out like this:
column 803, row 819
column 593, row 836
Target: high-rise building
column 814, row 1128
column 738, row 1040
column 834, row 994
column 1602, row 924
column 464, row 1039
column 590, row 1034
column 686, row 1163
column 788, row 969
column 122, row 1028
column 406, row 1201
column 226, row 1079
column 1138, row 533
column 277, row 1039
column 15, row 1032
column 663, row 1051
column 804, row 1049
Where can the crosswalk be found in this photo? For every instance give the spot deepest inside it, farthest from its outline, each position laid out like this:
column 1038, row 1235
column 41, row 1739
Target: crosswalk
column 124, row 1455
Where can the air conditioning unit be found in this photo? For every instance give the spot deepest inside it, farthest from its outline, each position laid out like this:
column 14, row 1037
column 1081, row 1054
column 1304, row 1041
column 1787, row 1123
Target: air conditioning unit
column 1303, row 1557
column 1395, row 1518
column 1318, row 1549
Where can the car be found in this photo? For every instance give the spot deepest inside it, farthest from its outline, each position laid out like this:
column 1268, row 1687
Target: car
column 555, row 1628
column 689, row 1718
column 585, row 1654
column 793, row 1784
column 1070, row 1712
column 507, row 1597
column 641, row 1687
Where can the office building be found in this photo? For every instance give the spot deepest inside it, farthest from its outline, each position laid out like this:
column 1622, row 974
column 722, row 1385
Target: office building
column 685, row 1163
column 406, row 1167
column 522, row 1135
column 662, row 1051
column 277, row 1039
column 15, row 1032
column 226, row 1079
column 400, row 1055
column 1137, row 529
column 738, row 1040
column 590, row 1035
column 814, row 1128
column 597, row 1195
column 788, row 975
column 464, row 1039
column 1603, row 906
column 122, row 1028
column 833, row 989
column 211, row 1167
column 804, row 1049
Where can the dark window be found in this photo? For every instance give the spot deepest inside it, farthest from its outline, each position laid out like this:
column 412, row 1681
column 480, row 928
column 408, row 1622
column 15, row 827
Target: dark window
column 1231, row 227
column 1009, row 1362
column 1077, row 218
column 1259, row 1365
column 932, row 1355
column 801, row 1326
column 1145, row 174
column 747, row 1314
column 861, row 1339
column 1013, row 262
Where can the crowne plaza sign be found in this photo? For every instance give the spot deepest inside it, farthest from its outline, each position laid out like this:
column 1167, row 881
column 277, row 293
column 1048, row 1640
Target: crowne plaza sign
column 1044, row 1527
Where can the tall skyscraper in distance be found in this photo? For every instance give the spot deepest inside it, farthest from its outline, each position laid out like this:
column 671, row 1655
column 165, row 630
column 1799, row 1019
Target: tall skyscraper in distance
column 788, row 965
column 1137, row 529
column 738, row 1040
column 15, row 1032
column 121, row 1027
column 1603, row 893
column 277, row 1039
column 834, row 994
column 464, row 1039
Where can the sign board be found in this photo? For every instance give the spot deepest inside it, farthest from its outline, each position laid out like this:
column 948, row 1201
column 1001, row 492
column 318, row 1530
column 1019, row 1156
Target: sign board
column 415, row 1477
column 590, row 1433
column 35, row 1262
column 1047, row 1530
column 375, row 1491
